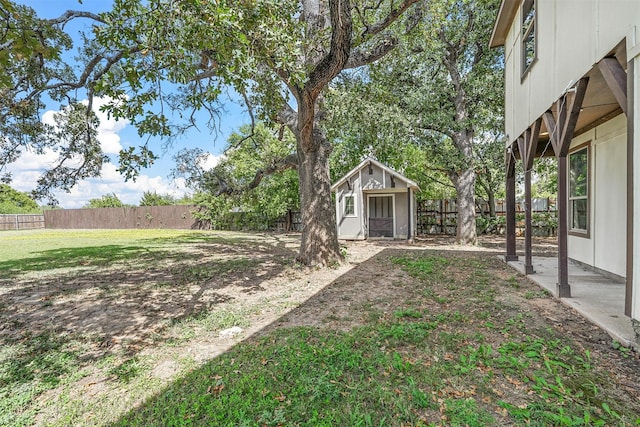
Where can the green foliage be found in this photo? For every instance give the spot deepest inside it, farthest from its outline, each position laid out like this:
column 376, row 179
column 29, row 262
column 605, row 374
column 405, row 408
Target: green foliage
column 422, row 267
column 30, row 63
column 124, row 58
column 30, row 56
column 106, row 201
column 16, row 202
column 363, row 122
column 249, row 152
column 441, row 86
column 155, row 199
column 544, row 182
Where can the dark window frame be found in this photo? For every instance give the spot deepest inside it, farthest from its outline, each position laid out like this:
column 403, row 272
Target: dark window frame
column 579, row 232
column 528, row 31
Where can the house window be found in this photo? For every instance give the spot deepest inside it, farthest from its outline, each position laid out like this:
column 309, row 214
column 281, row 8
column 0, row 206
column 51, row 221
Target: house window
column 579, row 190
column 528, row 34
column 350, row 206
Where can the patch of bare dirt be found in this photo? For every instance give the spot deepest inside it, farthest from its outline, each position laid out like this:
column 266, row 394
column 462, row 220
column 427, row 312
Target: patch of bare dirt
column 132, row 309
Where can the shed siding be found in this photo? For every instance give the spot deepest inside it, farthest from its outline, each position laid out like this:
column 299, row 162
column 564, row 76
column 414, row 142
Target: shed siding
column 350, row 227
column 401, row 213
column 372, row 181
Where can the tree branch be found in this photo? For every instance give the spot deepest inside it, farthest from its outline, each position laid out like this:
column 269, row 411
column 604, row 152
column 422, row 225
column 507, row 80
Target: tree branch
column 84, row 78
column 393, row 15
column 72, row 14
column 360, row 57
column 437, row 181
column 289, row 117
column 332, row 63
column 289, row 162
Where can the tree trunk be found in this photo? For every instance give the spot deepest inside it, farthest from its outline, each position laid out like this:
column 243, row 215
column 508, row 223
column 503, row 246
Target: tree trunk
column 492, row 203
column 319, row 245
column 465, row 183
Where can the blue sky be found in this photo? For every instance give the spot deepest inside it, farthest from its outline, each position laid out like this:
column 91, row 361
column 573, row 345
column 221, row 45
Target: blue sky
column 115, row 135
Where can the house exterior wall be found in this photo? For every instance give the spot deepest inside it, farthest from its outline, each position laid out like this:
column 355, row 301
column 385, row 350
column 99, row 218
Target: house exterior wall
column 605, row 247
column 610, row 214
column 633, row 55
column 572, row 36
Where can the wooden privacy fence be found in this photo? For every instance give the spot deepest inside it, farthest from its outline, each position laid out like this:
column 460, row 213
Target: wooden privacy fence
column 171, row 217
column 257, row 221
column 441, row 216
column 21, row 221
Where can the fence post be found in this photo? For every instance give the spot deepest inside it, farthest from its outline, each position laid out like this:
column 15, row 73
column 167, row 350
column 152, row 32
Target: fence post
column 17, row 223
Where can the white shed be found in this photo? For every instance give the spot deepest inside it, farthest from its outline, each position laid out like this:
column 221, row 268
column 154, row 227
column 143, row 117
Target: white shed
column 375, row 201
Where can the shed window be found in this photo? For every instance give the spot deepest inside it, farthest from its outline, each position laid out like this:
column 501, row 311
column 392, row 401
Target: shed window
column 528, row 34
column 579, row 190
column 350, row 206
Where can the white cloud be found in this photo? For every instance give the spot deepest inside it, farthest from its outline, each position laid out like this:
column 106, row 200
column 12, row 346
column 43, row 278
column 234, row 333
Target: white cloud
column 28, row 168
column 210, row 161
column 31, row 161
column 129, row 192
column 108, row 128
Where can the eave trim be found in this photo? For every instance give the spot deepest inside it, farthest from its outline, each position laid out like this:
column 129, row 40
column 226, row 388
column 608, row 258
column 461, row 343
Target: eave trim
column 507, row 13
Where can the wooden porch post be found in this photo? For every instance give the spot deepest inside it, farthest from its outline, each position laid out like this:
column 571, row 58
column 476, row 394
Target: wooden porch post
column 630, row 187
column 621, row 85
column 409, row 236
column 510, row 207
column 561, row 133
column 563, row 288
column 527, row 145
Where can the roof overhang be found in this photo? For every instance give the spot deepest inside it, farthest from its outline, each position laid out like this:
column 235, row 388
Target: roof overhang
column 507, row 13
column 599, row 104
column 410, row 184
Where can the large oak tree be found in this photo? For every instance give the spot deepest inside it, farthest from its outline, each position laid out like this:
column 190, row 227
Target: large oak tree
column 445, row 87
column 160, row 61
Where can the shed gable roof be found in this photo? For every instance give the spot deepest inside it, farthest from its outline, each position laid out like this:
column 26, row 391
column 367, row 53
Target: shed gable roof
column 410, row 184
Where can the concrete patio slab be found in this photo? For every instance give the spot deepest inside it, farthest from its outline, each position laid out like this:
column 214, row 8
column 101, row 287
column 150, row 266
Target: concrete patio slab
column 596, row 297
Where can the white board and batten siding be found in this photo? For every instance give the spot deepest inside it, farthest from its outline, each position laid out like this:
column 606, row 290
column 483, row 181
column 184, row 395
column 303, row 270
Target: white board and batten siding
column 364, row 186
column 605, row 247
column 572, row 36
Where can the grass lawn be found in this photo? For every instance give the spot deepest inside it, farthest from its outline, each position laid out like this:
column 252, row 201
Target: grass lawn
column 122, row 328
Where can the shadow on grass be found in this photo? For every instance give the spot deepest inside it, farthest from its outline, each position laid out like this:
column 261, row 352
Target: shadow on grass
column 71, row 258
column 289, row 367
column 127, row 294
column 30, row 367
column 337, row 359
column 377, row 347
column 114, row 300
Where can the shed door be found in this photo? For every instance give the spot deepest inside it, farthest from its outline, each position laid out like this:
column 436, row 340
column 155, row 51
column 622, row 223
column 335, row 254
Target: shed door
column 380, row 216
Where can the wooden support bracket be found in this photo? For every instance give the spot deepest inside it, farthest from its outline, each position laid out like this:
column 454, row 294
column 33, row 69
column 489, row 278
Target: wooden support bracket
column 616, row 79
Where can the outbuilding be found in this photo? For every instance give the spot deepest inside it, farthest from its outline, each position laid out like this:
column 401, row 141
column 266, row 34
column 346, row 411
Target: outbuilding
column 375, row 201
